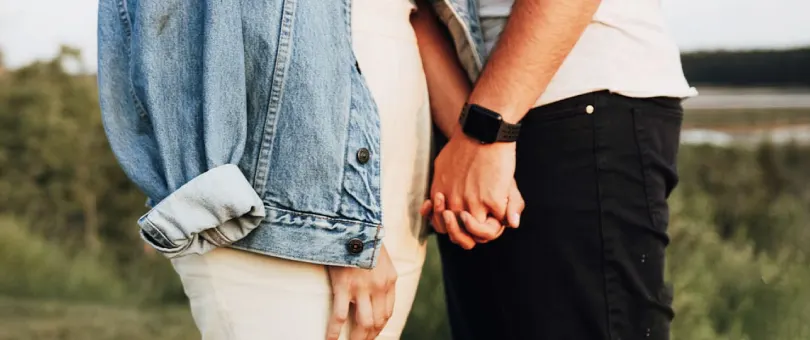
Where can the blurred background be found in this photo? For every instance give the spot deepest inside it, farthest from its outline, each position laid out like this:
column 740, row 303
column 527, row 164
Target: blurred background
column 73, row 267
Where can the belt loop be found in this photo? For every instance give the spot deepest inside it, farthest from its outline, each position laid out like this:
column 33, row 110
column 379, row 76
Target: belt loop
column 595, row 102
column 601, row 98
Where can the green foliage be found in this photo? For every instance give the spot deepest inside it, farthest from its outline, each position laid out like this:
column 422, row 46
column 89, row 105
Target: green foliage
column 739, row 243
column 55, row 165
column 749, row 68
column 58, row 174
column 60, row 320
column 34, row 267
column 724, row 288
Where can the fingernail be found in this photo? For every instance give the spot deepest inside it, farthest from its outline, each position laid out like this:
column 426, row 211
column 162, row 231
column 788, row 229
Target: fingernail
column 516, row 220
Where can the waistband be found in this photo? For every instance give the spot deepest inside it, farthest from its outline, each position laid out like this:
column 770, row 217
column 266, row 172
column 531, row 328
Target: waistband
column 580, row 103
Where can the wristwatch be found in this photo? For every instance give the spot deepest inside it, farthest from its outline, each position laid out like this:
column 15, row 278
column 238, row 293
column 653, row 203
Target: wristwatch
column 487, row 126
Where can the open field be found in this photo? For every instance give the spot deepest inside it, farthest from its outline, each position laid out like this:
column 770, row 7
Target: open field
column 713, row 98
column 745, row 119
column 22, row 319
column 725, row 127
column 747, row 116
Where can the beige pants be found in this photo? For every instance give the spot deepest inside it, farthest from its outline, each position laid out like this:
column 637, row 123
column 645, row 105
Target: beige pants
column 245, row 296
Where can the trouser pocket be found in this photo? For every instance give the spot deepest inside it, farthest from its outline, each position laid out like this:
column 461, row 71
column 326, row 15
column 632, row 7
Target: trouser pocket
column 636, row 144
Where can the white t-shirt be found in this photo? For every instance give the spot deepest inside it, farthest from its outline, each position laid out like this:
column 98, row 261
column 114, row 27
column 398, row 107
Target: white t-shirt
column 626, row 49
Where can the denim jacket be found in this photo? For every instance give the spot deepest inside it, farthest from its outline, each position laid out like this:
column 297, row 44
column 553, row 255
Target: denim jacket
column 248, row 124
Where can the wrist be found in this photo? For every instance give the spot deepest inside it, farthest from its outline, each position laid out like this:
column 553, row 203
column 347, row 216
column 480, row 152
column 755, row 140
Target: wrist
column 446, row 116
column 459, row 136
column 457, row 132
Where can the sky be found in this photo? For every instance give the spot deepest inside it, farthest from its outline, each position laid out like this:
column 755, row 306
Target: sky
column 34, row 29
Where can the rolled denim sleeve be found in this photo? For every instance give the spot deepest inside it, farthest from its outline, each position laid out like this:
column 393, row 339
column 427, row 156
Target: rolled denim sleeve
column 214, row 209
column 173, row 99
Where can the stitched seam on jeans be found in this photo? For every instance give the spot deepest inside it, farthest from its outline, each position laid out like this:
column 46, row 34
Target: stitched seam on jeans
column 645, row 171
column 663, row 109
column 214, row 237
column 538, row 115
column 224, row 238
column 605, row 292
column 280, row 69
column 323, row 217
column 645, row 174
column 151, row 226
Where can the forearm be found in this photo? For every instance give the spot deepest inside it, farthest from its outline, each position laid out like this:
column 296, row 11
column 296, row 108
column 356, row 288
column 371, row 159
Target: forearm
column 537, row 38
column 447, row 83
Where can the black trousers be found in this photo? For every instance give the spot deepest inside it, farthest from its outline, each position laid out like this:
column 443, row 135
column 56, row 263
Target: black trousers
column 588, row 259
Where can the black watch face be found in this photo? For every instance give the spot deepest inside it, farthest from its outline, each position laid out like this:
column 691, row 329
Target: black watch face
column 482, row 124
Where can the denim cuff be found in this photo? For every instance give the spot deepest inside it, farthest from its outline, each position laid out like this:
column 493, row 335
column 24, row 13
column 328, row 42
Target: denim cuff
column 212, row 210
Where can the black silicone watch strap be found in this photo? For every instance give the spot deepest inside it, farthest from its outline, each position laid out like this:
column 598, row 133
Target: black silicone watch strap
column 508, row 132
column 505, row 133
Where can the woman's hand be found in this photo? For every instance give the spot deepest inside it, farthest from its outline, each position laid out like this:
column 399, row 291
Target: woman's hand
column 372, row 293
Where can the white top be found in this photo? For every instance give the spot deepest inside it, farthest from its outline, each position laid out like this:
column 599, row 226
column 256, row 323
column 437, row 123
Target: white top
column 626, row 49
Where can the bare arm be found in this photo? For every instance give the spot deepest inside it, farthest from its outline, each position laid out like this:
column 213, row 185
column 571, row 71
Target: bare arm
column 447, row 83
column 537, row 38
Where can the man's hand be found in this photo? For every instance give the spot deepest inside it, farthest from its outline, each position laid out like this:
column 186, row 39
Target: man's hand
column 446, row 222
column 372, row 293
column 479, row 179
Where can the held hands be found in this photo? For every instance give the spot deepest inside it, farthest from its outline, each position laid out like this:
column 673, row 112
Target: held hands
column 474, row 182
column 371, row 292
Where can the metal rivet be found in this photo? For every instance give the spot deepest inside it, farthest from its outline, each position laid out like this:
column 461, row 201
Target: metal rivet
column 589, row 109
column 363, row 155
column 355, row 246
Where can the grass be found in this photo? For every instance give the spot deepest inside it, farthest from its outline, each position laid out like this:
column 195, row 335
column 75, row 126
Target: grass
column 43, row 269
column 22, row 319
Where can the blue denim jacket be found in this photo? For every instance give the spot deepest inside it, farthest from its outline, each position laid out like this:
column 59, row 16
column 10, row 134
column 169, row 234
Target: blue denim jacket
column 248, row 124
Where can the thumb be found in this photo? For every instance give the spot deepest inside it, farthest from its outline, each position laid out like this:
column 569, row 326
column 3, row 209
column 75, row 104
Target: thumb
column 426, row 209
column 515, row 206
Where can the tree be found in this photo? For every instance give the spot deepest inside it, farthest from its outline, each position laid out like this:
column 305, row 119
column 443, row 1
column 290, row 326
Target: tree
column 56, row 164
column 2, row 64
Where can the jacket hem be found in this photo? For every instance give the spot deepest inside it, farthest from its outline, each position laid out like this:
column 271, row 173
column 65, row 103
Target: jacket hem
column 315, row 239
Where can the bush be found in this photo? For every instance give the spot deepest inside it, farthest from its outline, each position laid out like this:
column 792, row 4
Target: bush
column 33, row 267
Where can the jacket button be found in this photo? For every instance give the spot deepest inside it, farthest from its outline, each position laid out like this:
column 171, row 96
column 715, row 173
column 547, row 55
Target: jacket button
column 363, row 156
column 355, row 246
